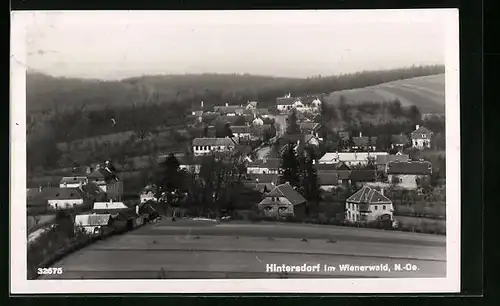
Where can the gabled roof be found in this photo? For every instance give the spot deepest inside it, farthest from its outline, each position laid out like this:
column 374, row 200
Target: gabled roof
column 364, row 140
column 421, row 131
column 349, row 156
column 56, row 193
column 92, row 219
column 363, row 176
column 229, row 109
column 410, row 167
column 367, row 195
column 385, row 159
column 213, row 142
column 109, row 205
column 309, row 126
column 399, row 139
column 264, row 178
column 327, row 179
column 103, row 174
column 286, row 190
column 270, row 163
column 285, row 101
column 241, row 129
column 73, row 179
column 252, row 103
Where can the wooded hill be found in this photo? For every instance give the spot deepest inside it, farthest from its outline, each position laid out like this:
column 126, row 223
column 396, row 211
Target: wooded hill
column 50, row 93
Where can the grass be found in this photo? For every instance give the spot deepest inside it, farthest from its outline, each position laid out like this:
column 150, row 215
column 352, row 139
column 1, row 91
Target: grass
column 421, row 225
column 427, row 93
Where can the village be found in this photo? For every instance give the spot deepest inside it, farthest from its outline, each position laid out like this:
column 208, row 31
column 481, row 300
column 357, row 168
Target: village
column 278, row 154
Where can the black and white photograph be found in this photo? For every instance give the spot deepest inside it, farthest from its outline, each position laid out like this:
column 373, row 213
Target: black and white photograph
column 289, row 151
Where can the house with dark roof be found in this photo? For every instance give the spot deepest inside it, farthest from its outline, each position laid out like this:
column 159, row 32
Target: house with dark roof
column 362, row 176
column 421, row 137
column 64, row 198
column 266, row 166
column 285, row 103
column 381, row 161
column 73, row 181
column 204, row 146
column 299, row 142
column 364, row 143
column 229, row 110
column 367, row 205
column 108, row 181
column 241, row 132
column 310, row 128
column 263, row 183
column 399, row 141
column 328, row 181
column 283, row 201
column 407, row 174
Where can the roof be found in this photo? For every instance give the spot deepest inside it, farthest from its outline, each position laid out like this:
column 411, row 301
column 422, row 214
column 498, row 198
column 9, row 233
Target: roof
column 241, row 129
column 368, row 195
column 385, row 159
column 410, row 167
column 229, row 109
column 326, row 179
column 333, row 157
column 286, row 190
column 285, row 101
column 364, row 141
column 109, row 205
column 264, row 178
column 270, row 163
column 261, row 111
column 421, row 131
column 363, row 176
column 252, row 103
column 399, row 139
column 92, row 189
column 213, row 142
column 103, row 174
column 56, row 193
column 92, row 219
column 309, row 126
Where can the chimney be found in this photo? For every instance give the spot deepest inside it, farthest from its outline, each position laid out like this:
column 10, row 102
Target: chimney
column 201, row 104
column 227, row 104
column 360, row 134
column 110, row 201
column 382, row 191
column 417, row 126
column 137, row 209
column 39, row 188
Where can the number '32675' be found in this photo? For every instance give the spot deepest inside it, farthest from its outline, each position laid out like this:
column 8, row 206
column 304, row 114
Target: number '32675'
column 46, row 271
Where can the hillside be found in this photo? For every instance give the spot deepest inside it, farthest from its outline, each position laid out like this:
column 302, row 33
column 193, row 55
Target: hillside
column 46, row 92
column 426, row 92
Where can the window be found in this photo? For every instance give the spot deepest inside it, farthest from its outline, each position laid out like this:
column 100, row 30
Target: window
column 383, row 207
column 376, row 207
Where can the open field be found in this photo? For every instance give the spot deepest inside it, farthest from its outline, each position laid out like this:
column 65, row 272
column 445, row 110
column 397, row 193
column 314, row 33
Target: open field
column 204, row 249
column 427, row 93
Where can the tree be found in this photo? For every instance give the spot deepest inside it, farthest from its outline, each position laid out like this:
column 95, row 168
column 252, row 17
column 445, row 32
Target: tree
column 414, row 114
column 292, row 125
column 240, row 121
column 309, row 182
column 290, row 166
column 169, row 181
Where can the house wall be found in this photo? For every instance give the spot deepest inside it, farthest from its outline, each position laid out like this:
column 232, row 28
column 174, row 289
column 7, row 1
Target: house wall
column 70, row 185
column 406, row 181
column 284, row 107
column 191, row 168
column 65, row 203
column 327, row 187
column 115, row 190
column 421, row 143
column 276, row 207
column 242, row 135
column 257, row 170
column 202, row 150
column 353, row 213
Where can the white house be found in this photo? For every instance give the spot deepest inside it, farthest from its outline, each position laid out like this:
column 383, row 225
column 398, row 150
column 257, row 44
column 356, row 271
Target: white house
column 405, row 175
column 241, row 131
column 285, row 103
column 367, row 205
column 350, row 158
column 266, row 166
column 421, row 137
column 251, row 105
column 112, row 206
column 203, row 146
column 92, row 224
column 73, row 181
column 257, row 121
column 64, row 198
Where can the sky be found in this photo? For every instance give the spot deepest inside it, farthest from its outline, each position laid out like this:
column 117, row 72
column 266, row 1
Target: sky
column 115, row 45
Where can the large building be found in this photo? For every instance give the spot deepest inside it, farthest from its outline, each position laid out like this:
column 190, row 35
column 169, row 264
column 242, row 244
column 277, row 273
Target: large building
column 406, row 175
column 350, row 158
